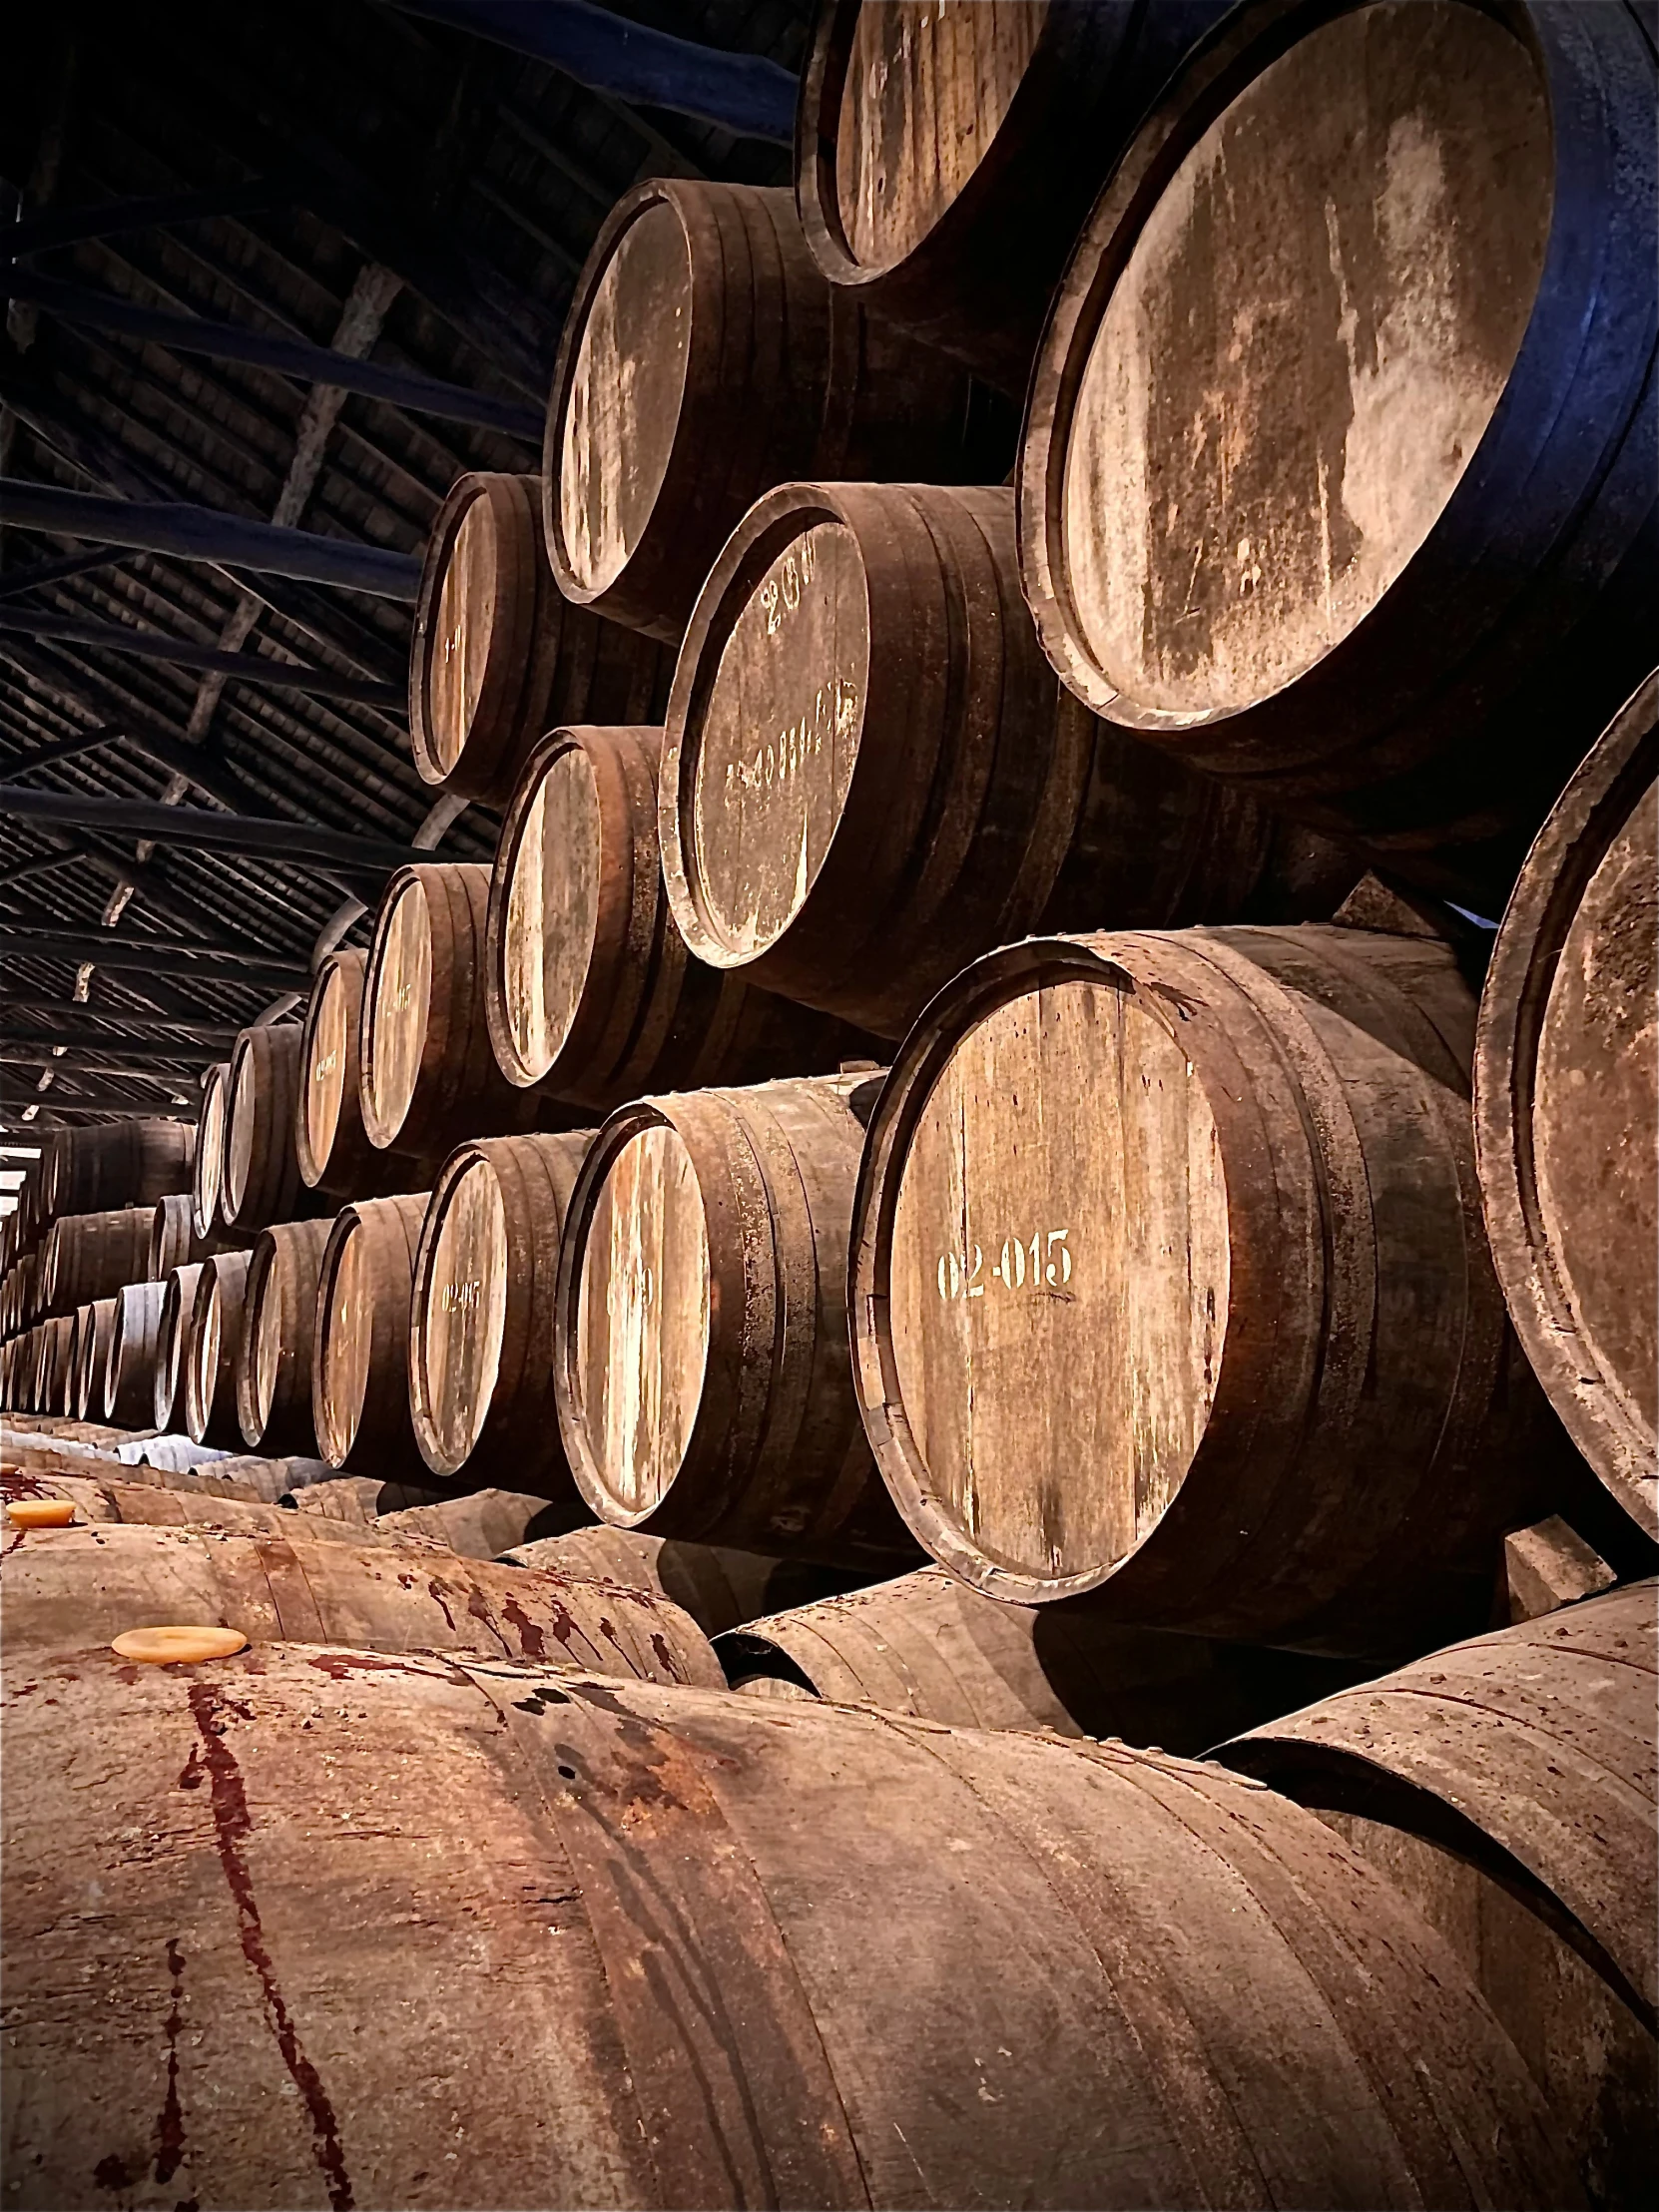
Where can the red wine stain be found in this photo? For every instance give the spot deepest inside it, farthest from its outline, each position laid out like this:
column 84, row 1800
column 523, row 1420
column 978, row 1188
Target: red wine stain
column 232, row 1827
column 111, row 2174
column 15, row 1484
column 436, row 1589
column 190, row 1775
column 659, row 1644
column 531, row 1640
column 338, row 1665
column 17, row 1540
column 170, row 2127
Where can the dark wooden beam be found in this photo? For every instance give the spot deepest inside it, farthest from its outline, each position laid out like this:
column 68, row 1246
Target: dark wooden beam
column 295, row 841
column 74, row 1019
column 73, row 1061
column 152, row 955
column 24, row 1045
column 166, row 212
column 242, row 668
column 192, row 533
column 64, row 748
column 55, row 572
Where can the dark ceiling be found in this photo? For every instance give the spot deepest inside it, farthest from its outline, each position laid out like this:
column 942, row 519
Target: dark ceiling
column 409, row 195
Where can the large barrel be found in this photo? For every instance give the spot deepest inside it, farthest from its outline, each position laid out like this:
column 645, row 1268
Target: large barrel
column 55, row 1365
column 330, row 1139
column 273, row 1379
column 483, row 1524
column 705, row 359
column 1507, row 1786
column 212, row 1347
column 262, row 1165
column 129, row 1378
column 719, row 1587
column 115, row 1164
column 591, row 993
column 83, row 1586
column 207, row 1183
column 95, row 1326
column 1567, row 1107
column 88, row 1256
column 171, row 1341
column 1344, row 548
column 701, row 1362
column 360, row 1500
column 428, row 1076
column 481, row 1327
column 1052, row 1975
column 500, row 654
column 1170, row 1287
column 360, row 1352
column 870, row 774
column 947, row 154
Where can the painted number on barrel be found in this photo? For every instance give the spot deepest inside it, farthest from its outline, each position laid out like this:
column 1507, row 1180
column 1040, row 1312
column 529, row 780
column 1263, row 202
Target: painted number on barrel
column 781, row 594
column 1043, row 1264
column 460, row 1298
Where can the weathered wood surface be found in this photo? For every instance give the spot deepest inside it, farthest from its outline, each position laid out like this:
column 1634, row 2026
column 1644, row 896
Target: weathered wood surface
column 949, row 152
column 359, row 1499
column 706, row 360
column 88, row 1256
column 482, row 1334
column 719, row 1587
column 499, row 654
column 114, row 1497
column 1566, row 1105
column 54, row 1350
column 592, row 995
column 1170, row 1287
column 208, row 1170
column 700, row 1363
column 261, row 1163
column 482, row 1525
column 172, row 1334
column 330, row 1139
column 129, row 1378
column 89, row 1584
column 115, row 1164
column 679, row 1890
column 870, row 774
column 174, row 1242
column 272, row 1379
column 211, row 1348
column 361, row 1358
column 1345, row 547
column 92, row 1356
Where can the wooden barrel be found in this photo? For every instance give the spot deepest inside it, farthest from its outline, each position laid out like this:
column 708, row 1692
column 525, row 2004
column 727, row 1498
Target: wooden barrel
column 482, row 1317
column 330, row 1141
column 926, row 1644
column 212, row 1347
column 172, row 1338
column 1343, row 550
column 483, row 1524
column 262, row 1165
column 174, row 1242
column 55, row 1365
column 1507, row 1786
column 500, row 654
column 870, row 774
column 1196, row 1213
column 88, row 1256
column 719, row 1588
column 129, row 1380
column 428, row 1075
column 94, row 1326
column 273, row 1379
column 1566, row 1112
column 80, row 1324
column 82, row 1588
column 947, row 154
column 701, row 1360
column 359, row 1500
column 591, row 993
column 360, row 1354
column 208, row 1186
column 116, row 1164
column 744, row 1988
column 705, row 359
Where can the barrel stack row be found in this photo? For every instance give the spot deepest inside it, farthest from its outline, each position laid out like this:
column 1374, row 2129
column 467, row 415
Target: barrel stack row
column 975, row 1135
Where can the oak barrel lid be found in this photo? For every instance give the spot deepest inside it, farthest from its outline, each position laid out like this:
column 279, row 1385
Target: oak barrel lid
column 326, row 1063
column 344, row 1338
column 241, row 1115
column 397, row 1001
column 550, row 861
column 208, row 1180
column 474, row 618
column 460, row 1306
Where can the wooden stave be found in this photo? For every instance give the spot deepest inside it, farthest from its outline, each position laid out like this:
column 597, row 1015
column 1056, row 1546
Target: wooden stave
column 1550, row 617
column 207, row 1175
column 784, row 377
column 129, row 1365
column 210, row 1398
column 1424, row 1578
column 261, row 1094
column 983, row 805
column 535, row 1177
column 719, row 1587
column 770, row 1461
column 284, row 1264
column 88, row 1256
column 1596, row 806
column 978, row 283
column 384, row 1436
column 554, row 660
column 1389, row 2084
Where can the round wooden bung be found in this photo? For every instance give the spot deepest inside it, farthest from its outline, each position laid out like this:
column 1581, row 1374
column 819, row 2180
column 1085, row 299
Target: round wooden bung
column 1566, row 1111
column 208, row 1187
column 39, row 1512
column 177, row 1646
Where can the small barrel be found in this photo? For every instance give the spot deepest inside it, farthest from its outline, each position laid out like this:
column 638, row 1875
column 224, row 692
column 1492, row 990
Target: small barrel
column 701, row 1360
column 1566, row 1106
column 1346, row 548
column 262, row 1165
column 703, row 360
column 1170, row 1287
column 947, row 154
column 208, row 1184
column 360, row 1352
column 116, row 1164
column 172, row 1341
column 870, row 774
column 212, row 1347
column 88, row 1256
column 499, row 652
column 1507, row 1786
column 273, row 1356
column 92, row 1355
column 129, row 1380
column 428, row 1075
column 330, row 1139
column 591, row 993
column 719, row 1587
column 797, row 1958
column 481, row 1326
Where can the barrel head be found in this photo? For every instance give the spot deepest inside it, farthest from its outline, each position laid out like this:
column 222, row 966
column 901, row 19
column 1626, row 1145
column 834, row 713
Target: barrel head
column 463, row 1313
column 330, row 1035
column 400, row 990
column 552, row 910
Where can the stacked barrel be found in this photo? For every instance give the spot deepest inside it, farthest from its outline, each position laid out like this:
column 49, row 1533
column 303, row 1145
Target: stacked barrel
column 984, row 1137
